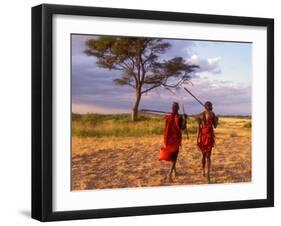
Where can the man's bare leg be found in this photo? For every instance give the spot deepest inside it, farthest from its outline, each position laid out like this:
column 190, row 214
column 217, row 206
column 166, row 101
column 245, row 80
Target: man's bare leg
column 171, row 170
column 203, row 163
column 175, row 170
column 175, row 166
column 209, row 166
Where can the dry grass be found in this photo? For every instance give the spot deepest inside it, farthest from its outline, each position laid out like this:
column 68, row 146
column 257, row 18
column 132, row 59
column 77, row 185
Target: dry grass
column 118, row 162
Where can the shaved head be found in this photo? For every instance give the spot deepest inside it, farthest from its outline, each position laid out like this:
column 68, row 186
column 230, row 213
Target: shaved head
column 209, row 106
column 175, row 107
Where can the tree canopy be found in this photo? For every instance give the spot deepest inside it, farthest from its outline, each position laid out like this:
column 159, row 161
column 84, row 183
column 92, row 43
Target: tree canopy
column 140, row 63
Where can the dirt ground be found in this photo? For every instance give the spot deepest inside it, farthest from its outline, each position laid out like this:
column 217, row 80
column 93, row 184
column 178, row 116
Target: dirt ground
column 119, row 162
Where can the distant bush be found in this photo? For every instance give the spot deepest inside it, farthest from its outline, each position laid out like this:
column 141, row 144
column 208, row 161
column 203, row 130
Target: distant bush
column 248, row 125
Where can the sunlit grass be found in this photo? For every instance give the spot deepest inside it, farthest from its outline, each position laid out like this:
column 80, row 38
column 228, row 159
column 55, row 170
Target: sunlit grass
column 96, row 125
column 121, row 125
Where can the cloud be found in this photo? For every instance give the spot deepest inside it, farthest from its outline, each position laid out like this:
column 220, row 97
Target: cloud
column 228, row 98
column 178, row 48
column 91, row 108
column 205, row 64
column 94, row 91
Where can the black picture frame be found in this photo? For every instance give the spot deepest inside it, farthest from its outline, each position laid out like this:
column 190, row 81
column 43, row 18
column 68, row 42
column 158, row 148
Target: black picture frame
column 42, row 106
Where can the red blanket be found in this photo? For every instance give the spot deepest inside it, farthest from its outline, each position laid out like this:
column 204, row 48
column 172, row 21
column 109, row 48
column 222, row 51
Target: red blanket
column 207, row 140
column 172, row 137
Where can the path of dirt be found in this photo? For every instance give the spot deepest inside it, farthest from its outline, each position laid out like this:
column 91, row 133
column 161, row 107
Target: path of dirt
column 131, row 162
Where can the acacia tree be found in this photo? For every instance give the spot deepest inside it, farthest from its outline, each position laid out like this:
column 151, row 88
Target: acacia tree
column 139, row 61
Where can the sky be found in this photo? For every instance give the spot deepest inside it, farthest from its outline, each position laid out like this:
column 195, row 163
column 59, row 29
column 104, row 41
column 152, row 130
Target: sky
column 224, row 77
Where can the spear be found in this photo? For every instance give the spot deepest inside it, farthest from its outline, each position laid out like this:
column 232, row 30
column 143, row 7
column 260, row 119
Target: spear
column 199, row 131
column 154, row 111
column 186, row 130
column 194, row 97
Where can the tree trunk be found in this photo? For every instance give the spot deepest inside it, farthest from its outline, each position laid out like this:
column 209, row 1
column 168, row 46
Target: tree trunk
column 136, row 106
column 138, row 86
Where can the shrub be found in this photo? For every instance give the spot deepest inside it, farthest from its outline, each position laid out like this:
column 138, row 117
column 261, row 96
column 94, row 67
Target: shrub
column 248, row 125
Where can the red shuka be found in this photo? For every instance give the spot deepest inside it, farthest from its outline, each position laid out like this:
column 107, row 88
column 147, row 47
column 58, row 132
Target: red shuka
column 207, row 137
column 172, row 137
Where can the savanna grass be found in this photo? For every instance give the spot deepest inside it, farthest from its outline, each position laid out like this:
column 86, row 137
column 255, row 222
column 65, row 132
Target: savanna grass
column 120, row 125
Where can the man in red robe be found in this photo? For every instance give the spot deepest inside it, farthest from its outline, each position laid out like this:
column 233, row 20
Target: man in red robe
column 172, row 138
column 207, row 120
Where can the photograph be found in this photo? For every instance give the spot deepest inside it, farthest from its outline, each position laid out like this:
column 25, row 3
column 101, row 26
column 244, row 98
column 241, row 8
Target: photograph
column 152, row 111
column 146, row 112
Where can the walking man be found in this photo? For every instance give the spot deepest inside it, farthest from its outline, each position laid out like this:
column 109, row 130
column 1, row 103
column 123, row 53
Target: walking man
column 207, row 120
column 172, row 138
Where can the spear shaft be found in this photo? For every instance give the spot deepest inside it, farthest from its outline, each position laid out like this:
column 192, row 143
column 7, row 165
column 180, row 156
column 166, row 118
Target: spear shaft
column 154, row 111
column 194, row 96
column 186, row 130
